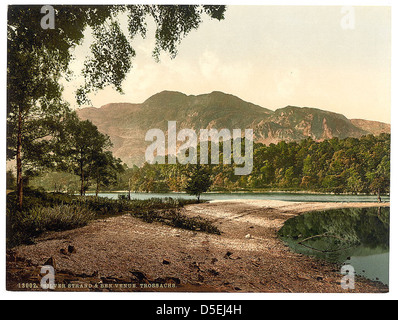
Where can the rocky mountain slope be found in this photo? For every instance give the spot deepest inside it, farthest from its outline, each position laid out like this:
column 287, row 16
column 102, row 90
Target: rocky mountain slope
column 128, row 123
column 374, row 127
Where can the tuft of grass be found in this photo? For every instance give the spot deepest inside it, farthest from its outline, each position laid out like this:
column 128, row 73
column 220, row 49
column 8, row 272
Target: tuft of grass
column 24, row 227
column 175, row 218
column 43, row 211
column 59, row 218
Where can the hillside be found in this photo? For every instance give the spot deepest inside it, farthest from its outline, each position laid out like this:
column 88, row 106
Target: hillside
column 372, row 127
column 127, row 123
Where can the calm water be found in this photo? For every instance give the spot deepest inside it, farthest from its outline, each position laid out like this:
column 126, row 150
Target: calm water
column 356, row 237
column 295, row 197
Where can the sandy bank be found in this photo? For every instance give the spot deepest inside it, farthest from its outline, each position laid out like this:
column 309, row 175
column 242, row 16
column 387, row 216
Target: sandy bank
column 123, row 249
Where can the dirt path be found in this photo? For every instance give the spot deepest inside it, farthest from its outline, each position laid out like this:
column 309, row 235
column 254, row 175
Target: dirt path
column 125, row 254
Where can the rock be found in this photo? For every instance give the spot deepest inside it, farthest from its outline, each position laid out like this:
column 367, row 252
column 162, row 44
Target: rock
column 228, row 256
column 214, row 260
column 139, row 275
column 214, row 272
column 50, row 262
column 166, row 262
column 168, row 280
column 71, row 249
column 196, row 266
column 11, row 256
column 63, row 251
column 248, row 236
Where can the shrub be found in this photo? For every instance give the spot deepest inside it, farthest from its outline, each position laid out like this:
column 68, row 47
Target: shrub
column 43, row 211
column 61, row 218
column 175, row 218
column 23, row 227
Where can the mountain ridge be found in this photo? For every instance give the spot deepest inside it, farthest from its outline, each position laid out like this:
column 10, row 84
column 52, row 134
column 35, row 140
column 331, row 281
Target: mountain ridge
column 127, row 123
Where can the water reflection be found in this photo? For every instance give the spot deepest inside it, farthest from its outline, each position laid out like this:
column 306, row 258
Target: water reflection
column 357, row 236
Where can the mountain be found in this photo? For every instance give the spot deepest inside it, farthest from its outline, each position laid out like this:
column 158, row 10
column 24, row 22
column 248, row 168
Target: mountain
column 374, row 127
column 128, row 123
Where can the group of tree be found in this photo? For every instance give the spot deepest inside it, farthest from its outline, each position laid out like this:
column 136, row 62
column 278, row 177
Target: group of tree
column 337, row 165
column 348, row 165
column 81, row 149
column 76, row 147
column 38, row 58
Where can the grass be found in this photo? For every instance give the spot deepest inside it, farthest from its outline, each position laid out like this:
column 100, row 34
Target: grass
column 43, row 212
column 175, row 218
column 64, row 217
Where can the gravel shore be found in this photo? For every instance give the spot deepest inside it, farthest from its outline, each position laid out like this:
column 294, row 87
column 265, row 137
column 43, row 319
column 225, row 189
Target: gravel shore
column 126, row 254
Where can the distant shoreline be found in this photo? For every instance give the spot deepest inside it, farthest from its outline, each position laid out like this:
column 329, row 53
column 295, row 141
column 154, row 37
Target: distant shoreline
column 249, row 192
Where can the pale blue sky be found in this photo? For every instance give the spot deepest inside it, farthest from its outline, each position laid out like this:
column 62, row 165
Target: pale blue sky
column 272, row 56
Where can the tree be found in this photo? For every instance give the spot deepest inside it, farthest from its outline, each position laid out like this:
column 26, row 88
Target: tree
column 82, row 149
column 354, row 181
column 38, row 58
column 105, row 169
column 199, row 181
column 10, row 180
column 34, row 101
column 380, row 179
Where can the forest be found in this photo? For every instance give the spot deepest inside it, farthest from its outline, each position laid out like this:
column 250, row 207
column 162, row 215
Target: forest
column 334, row 166
column 338, row 166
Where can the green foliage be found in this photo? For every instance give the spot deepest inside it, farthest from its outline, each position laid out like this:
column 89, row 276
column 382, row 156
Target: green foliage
column 10, row 180
column 105, row 169
column 44, row 212
column 175, row 218
column 56, row 182
column 339, row 166
column 63, row 217
column 111, row 52
column 83, row 150
column 199, row 181
column 23, row 227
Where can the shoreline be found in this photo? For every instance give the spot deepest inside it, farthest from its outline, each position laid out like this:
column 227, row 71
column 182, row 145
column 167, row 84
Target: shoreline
column 246, row 192
column 242, row 193
column 124, row 249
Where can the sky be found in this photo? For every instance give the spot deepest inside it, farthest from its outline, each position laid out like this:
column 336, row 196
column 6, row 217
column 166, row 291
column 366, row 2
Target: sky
column 332, row 58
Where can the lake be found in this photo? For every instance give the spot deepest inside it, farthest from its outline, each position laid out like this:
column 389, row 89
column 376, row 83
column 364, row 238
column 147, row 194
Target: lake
column 355, row 237
column 295, row 197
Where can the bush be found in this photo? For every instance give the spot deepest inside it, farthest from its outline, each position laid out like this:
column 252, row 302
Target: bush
column 43, row 211
column 61, row 218
column 175, row 218
column 23, row 227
